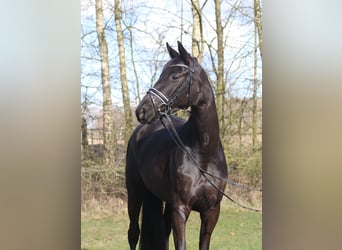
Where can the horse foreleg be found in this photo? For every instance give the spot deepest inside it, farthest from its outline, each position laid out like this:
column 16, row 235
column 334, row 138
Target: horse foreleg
column 179, row 218
column 208, row 222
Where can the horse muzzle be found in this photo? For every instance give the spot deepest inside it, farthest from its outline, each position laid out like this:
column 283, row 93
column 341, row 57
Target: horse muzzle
column 145, row 112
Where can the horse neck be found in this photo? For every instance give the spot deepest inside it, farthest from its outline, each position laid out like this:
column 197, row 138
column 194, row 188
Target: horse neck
column 204, row 126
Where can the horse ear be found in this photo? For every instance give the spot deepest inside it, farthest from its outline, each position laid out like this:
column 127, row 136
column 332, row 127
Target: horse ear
column 184, row 54
column 172, row 52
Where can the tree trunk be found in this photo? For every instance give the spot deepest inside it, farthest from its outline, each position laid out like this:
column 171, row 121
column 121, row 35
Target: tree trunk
column 258, row 24
column 220, row 89
column 108, row 131
column 255, row 88
column 257, row 34
column 84, row 131
column 123, row 77
column 137, row 84
column 197, row 31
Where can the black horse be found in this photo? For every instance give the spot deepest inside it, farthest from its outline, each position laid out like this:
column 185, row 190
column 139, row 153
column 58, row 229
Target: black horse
column 160, row 171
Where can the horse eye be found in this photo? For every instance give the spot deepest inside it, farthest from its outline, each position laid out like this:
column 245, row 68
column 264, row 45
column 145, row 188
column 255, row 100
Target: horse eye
column 175, row 77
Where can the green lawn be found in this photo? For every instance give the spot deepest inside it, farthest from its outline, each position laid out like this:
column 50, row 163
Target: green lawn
column 236, row 230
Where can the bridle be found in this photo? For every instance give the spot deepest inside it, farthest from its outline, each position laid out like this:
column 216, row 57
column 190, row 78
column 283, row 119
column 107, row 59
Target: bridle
column 166, row 103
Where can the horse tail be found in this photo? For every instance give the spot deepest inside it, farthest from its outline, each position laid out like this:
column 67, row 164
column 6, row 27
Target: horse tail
column 153, row 235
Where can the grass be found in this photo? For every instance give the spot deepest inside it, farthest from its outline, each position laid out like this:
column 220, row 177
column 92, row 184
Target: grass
column 236, row 229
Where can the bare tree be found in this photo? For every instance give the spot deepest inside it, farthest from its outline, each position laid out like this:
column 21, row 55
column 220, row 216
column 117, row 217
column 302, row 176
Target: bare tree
column 258, row 24
column 108, row 135
column 84, row 132
column 197, row 30
column 123, row 76
column 137, row 84
column 255, row 89
column 220, row 85
column 257, row 34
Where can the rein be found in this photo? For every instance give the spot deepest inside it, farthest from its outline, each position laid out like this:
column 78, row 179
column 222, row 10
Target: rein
column 175, row 137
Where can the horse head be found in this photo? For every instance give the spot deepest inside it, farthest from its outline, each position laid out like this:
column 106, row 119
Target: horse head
column 176, row 88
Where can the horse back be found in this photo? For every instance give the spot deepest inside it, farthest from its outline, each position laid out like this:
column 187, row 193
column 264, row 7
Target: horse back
column 143, row 133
